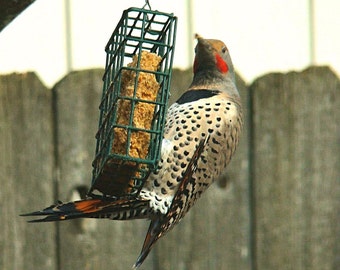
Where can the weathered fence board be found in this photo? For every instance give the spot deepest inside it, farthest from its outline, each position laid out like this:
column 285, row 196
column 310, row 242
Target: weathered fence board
column 87, row 244
column 296, row 154
column 215, row 233
column 26, row 163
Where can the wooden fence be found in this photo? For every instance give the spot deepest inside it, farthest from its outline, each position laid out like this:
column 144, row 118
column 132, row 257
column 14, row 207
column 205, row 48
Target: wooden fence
column 277, row 207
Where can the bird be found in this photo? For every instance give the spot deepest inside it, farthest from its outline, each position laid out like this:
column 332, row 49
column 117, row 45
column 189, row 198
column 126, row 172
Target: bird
column 201, row 133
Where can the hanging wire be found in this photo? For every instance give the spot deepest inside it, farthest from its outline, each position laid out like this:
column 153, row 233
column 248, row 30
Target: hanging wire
column 148, row 29
column 147, row 4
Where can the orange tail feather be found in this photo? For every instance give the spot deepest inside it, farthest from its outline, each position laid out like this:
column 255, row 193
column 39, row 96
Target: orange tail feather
column 94, row 208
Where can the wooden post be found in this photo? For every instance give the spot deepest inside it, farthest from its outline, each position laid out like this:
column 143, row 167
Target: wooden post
column 295, row 164
column 26, row 162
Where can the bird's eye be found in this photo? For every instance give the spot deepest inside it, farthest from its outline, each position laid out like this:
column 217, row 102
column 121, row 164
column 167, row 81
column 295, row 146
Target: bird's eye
column 224, row 49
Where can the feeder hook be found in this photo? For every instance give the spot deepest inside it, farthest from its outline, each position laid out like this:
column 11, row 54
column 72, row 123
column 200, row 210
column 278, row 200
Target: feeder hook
column 147, row 4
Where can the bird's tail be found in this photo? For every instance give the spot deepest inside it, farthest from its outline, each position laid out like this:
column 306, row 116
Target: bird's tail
column 154, row 233
column 111, row 208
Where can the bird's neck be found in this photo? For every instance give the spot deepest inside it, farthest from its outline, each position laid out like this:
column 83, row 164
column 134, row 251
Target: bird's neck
column 211, row 80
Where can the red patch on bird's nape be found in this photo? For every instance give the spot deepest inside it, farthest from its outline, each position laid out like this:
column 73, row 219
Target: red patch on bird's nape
column 221, row 64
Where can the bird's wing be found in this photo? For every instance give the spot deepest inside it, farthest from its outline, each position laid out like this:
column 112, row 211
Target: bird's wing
column 185, row 189
column 161, row 224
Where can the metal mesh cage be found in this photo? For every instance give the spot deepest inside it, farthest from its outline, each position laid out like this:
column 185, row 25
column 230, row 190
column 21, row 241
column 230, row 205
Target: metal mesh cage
column 137, row 76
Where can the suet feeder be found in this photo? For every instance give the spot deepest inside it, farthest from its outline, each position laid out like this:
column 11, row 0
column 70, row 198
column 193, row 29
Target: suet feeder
column 136, row 83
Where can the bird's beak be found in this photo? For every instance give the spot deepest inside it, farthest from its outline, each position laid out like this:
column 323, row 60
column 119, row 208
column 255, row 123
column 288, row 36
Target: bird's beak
column 197, row 36
column 200, row 40
column 203, row 46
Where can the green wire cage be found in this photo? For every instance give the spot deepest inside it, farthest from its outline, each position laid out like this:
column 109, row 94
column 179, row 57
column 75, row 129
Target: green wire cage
column 137, row 76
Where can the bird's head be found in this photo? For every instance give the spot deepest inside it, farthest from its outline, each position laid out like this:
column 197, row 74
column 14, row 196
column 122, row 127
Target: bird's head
column 212, row 55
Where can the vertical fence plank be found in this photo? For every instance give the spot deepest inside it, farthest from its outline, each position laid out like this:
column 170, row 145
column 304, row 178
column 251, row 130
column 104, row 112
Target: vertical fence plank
column 26, row 158
column 296, row 155
column 87, row 243
column 215, row 233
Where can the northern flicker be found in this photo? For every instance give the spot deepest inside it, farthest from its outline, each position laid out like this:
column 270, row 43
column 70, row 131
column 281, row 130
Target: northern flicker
column 201, row 134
